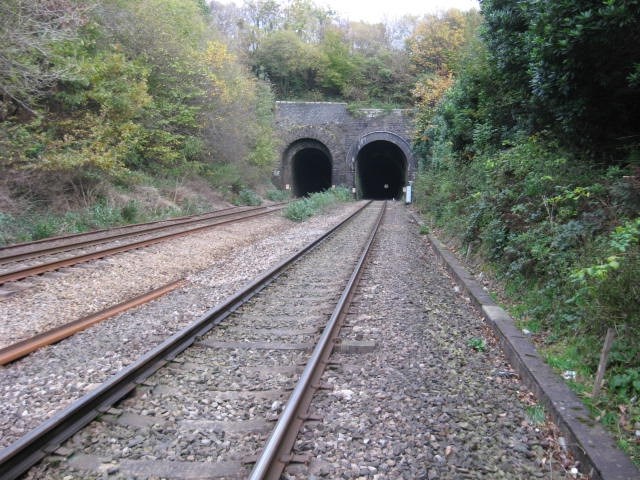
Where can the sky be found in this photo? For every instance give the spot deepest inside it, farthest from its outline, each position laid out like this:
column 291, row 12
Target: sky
column 377, row 10
column 373, row 11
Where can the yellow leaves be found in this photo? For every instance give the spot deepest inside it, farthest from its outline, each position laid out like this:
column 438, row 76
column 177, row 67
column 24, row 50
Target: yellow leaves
column 91, row 143
column 117, row 85
column 429, row 90
column 436, row 42
column 228, row 81
column 435, row 48
column 217, row 55
column 218, row 62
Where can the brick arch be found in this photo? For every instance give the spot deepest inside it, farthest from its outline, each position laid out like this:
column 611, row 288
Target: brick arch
column 299, row 138
column 307, row 151
column 385, row 136
column 344, row 132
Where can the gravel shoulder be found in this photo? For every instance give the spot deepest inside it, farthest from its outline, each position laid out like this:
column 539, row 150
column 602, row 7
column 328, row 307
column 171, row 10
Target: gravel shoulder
column 59, row 297
column 427, row 402
column 215, row 265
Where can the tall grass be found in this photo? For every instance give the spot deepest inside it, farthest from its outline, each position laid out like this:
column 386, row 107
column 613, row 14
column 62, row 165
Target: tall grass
column 318, row 202
column 32, row 226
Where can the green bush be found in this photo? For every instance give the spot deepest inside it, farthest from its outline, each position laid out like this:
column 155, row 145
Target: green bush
column 626, row 385
column 6, row 226
column 299, row 210
column 248, row 197
column 342, row 194
column 45, row 228
column 306, row 207
column 278, row 195
column 129, row 212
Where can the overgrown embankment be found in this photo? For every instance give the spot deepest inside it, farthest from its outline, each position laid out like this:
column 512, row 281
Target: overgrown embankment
column 532, row 166
column 106, row 104
column 101, row 100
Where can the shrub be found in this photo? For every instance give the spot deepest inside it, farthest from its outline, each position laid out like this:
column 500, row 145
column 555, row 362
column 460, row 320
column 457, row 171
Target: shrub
column 342, row 194
column 247, row 197
column 278, row 195
column 129, row 212
column 306, row 207
column 44, row 228
column 299, row 210
column 6, row 224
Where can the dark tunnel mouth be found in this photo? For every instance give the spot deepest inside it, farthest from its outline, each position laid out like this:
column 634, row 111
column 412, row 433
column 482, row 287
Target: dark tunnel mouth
column 311, row 171
column 381, row 171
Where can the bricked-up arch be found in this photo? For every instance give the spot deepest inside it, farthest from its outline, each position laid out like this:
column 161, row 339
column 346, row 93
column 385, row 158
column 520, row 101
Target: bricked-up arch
column 309, row 166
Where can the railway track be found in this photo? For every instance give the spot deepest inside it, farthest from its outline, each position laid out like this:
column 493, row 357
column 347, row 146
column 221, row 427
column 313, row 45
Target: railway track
column 22, row 348
column 21, row 251
column 22, row 261
column 208, row 411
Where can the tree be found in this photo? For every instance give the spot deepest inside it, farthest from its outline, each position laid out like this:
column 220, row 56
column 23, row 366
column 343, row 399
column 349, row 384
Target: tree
column 581, row 61
column 385, row 74
column 436, row 42
column 30, row 30
column 437, row 47
column 307, row 20
column 261, row 18
column 573, row 66
column 343, row 74
column 289, row 63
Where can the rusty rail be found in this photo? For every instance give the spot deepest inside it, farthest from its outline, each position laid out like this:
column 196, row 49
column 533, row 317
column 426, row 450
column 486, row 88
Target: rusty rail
column 17, row 458
column 273, row 459
column 93, row 237
column 25, row 347
column 23, row 273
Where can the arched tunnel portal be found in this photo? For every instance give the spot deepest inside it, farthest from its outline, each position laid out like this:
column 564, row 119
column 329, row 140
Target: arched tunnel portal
column 381, row 170
column 311, row 167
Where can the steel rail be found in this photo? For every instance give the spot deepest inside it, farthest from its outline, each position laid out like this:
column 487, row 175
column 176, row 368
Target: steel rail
column 74, row 236
column 18, row 457
column 22, row 273
column 23, row 348
column 124, row 231
column 272, row 461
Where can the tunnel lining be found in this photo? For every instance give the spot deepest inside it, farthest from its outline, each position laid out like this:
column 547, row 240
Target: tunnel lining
column 309, row 166
column 381, row 169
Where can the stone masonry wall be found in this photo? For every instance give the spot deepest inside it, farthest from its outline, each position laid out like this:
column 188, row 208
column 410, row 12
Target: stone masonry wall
column 342, row 132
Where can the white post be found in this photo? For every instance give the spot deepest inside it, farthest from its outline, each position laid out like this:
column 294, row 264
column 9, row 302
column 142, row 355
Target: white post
column 407, row 198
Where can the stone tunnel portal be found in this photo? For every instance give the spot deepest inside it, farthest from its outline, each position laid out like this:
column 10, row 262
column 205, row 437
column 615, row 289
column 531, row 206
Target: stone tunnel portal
column 381, row 171
column 311, row 169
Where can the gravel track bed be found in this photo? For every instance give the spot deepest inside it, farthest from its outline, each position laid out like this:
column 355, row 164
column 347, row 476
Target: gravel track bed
column 424, row 404
column 31, row 247
column 216, row 264
column 212, row 381
column 8, row 267
column 59, row 297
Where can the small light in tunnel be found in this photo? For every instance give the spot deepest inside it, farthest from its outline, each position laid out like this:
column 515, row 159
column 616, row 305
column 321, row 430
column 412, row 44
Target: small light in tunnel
column 381, row 170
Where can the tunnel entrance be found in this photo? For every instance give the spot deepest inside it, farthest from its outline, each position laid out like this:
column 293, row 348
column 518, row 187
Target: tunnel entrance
column 381, row 171
column 311, row 169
